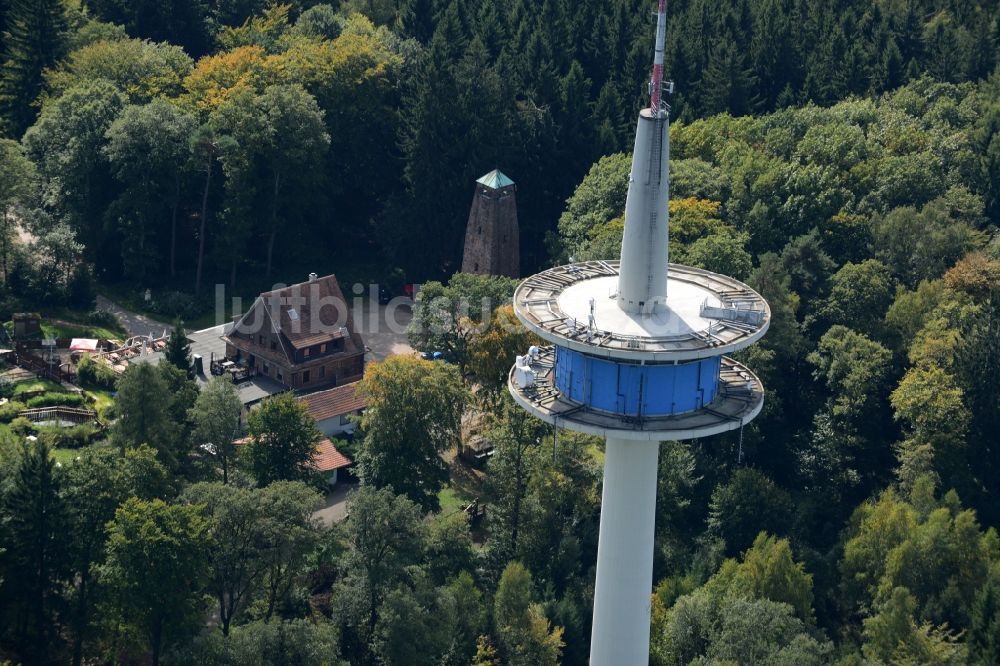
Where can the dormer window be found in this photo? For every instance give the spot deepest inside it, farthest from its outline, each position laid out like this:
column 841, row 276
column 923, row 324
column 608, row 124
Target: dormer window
column 322, row 348
column 305, row 352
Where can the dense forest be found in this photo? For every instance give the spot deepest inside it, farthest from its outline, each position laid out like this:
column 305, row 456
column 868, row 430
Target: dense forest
column 842, row 157
column 163, row 178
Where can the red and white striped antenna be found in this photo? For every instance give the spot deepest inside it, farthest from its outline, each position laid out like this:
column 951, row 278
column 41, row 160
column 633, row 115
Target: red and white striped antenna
column 656, row 106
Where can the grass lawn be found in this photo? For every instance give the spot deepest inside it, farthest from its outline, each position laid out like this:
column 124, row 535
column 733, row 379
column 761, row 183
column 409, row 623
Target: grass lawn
column 450, row 501
column 65, row 456
column 102, row 400
column 63, row 323
column 61, row 329
column 33, row 385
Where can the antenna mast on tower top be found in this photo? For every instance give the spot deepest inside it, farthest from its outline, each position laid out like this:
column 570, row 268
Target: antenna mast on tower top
column 656, row 105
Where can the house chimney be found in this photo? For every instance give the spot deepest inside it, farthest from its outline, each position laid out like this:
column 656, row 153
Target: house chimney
column 312, row 277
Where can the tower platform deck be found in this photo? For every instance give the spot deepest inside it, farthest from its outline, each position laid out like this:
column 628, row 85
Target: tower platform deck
column 739, row 399
column 706, row 314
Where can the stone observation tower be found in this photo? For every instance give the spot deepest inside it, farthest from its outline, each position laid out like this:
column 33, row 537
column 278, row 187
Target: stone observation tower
column 637, row 357
column 491, row 237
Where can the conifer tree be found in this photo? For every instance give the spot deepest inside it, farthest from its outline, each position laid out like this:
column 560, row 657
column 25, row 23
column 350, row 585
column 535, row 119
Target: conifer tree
column 178, row 351
column 34, row 40
column 34, row 541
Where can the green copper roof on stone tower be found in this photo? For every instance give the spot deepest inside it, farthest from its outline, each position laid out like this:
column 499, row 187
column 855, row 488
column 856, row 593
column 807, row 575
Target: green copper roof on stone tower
column 495, row 180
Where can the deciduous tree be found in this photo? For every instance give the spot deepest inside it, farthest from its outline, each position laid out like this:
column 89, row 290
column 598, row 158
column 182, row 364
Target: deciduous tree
column 95, row 485
column 523, row 633
column 414, row 415
column 216, row 418
column 283, row 439
column 155, row 568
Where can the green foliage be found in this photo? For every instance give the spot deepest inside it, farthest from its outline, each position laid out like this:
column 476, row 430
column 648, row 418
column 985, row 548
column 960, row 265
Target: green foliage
column 704, row 629
column 382, row 538
column 95, row 484
column 984, row 628
column 859, row 296
column 258, row 535
column 722, row 252
column 931, row 405
column 298, row 641
column 892, row 636
column 140, row 69
column 514, row 438
column 921, row 245
column 320, row 22
column 265, row 31
column 449, row 318
column 156, row 563
column 74, row 437
column 524, row 635
column 142, row 413
column 283, row 439
column 767, row 571
column 425, row 625
column 413, row 416
column 598, row 199
column 216, row 419
column 52, row 399
column 148, row 151
column 853, row 368
column 34, row 39
column 92, row 374
column 924, row 561
column 326, row 132
column 10, row 410
column 35, row 559
column 492, row 353
column 748, row 504
column 178, row 350
column 65, row 145
column 17, row 176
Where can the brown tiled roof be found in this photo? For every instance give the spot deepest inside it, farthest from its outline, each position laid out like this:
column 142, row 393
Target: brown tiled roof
column 327, row 321
column 327, row 404
column 327, row 458
column 321, row 314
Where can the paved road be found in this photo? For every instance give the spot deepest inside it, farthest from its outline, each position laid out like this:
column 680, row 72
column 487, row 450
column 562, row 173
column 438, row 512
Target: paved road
column 335, row 508
column 134, row 323
column 384, row 329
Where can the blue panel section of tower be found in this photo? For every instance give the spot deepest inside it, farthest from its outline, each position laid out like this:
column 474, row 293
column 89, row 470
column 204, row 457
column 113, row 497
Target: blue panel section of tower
column 637, row 390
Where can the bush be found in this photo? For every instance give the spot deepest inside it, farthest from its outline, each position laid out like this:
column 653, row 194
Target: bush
column 57, row 399
column 6, row 388
column 10, row 410
column 22, row 426
column 74, row 437
column 92, row 374
column 104, row 319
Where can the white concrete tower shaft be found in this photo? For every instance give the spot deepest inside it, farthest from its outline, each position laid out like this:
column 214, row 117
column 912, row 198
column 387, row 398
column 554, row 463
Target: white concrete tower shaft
column 622, row 591
column 642, row 283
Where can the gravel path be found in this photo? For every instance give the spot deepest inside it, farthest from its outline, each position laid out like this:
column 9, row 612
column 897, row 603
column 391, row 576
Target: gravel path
column 134, row 323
